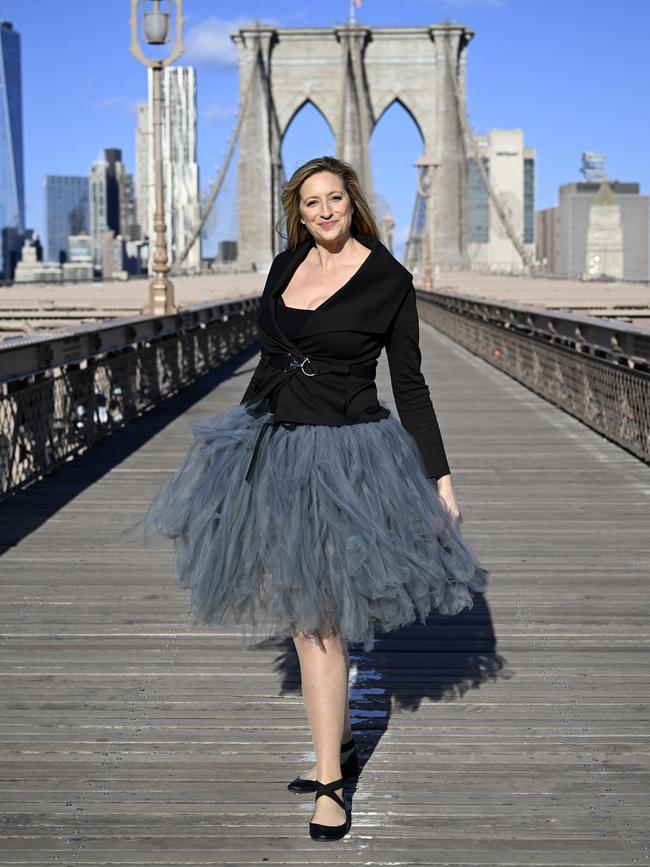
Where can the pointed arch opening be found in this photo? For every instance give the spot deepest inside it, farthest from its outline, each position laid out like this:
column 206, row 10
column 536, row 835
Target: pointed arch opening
column 395, row 145
column 307, row 135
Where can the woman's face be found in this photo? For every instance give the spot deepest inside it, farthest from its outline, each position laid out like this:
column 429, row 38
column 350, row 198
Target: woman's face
column 325, row 207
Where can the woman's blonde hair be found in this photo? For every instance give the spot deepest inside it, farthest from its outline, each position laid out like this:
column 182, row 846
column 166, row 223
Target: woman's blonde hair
column 363, row 222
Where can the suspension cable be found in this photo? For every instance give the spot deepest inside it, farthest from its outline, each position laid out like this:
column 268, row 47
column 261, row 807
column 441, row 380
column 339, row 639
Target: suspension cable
column 216, row 187
column 470, row 140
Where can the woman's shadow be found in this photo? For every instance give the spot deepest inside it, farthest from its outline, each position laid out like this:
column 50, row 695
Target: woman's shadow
column 439, row 660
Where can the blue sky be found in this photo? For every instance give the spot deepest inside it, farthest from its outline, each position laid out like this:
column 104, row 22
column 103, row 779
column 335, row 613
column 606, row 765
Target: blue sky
column 573, row 74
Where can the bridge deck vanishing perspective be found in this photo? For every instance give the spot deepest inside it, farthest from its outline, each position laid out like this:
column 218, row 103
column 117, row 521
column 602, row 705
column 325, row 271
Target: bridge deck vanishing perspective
column 514, row 734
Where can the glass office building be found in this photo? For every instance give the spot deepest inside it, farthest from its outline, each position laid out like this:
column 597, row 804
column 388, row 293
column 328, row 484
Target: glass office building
column 478, row 203
column 66, row 210
column 592, row 166
column 529, row 200
column 510, row 167
column 12, row 192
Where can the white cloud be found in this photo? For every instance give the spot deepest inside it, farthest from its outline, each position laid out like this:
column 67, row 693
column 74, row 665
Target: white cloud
column 209, row 43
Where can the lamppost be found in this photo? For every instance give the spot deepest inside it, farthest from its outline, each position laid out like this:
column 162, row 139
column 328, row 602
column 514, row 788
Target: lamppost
column 155, row 29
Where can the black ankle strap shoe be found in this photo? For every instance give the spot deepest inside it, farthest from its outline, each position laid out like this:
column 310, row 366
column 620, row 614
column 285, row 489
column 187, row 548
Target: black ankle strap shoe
column 331, row 832
column 349, row 770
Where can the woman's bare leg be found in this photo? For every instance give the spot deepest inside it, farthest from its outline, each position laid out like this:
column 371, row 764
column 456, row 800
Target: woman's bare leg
column 347, row 725
column 324, row 674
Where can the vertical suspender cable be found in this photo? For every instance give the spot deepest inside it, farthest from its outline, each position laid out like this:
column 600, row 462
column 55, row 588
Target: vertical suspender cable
column 216, row 188
column 470, row 141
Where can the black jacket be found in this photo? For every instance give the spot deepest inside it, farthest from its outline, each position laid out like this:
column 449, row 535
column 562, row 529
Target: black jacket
column 330, row 378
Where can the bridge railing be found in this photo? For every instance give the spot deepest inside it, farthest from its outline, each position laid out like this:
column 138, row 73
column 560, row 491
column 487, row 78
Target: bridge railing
column 597, row 370
column 61, row 393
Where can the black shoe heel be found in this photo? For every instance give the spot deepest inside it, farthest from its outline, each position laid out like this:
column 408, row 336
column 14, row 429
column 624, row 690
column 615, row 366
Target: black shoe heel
column 331, row 832
column 349, row 770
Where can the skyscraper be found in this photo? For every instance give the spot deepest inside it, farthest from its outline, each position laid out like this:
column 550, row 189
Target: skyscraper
column 620, row 204
column 600, row 228
column 112, row 207
column 66, row 210
column 98, row 208
column 605, row 253
column 511, row 169
column 181, row 171
column 12, row 189
column 143, row 165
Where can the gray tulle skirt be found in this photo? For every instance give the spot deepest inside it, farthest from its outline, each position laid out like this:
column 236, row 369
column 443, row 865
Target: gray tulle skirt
column 335, row 528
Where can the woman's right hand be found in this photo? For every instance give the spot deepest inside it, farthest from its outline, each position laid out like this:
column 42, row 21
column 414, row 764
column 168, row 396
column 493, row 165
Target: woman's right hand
column 445, row 488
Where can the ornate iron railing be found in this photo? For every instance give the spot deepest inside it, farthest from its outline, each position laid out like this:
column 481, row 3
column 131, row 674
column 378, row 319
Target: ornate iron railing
column 596, row 370
column 62, row 393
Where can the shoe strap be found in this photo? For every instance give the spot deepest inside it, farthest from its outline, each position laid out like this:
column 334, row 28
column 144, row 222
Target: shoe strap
column 348, row 746
column 329, row 789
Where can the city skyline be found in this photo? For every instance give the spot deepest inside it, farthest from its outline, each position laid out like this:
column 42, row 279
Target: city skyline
column 577, row 104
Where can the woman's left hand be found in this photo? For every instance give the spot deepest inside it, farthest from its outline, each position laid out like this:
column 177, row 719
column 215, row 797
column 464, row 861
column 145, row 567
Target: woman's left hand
column 446, row 493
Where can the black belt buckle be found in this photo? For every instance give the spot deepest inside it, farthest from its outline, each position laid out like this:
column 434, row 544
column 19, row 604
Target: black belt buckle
column 293, row 363
column 299, row 364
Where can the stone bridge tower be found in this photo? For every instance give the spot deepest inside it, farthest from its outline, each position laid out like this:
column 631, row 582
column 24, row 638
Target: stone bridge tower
column 351, row 74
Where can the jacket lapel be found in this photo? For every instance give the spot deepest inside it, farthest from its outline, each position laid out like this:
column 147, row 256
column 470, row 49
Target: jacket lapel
column 324, row 318
column 268, row 320
column 294, row 259
column 352, row 305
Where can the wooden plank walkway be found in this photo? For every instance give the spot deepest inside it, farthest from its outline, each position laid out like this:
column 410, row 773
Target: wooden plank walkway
column 517, row 734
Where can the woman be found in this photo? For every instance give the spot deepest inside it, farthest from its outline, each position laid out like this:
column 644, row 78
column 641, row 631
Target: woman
column 309, row 509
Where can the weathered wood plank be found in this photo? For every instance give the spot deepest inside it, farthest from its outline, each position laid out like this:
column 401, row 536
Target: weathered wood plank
column 517, row 733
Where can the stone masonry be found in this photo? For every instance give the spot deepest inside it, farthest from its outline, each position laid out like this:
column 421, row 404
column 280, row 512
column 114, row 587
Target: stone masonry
column 351, row 74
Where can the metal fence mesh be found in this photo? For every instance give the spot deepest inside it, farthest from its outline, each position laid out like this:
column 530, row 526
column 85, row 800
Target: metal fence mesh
column 610, row 397
column 46, row 420
column 49, row 418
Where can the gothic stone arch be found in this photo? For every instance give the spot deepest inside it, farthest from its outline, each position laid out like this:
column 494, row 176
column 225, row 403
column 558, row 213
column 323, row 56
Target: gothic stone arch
column 351, row 73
